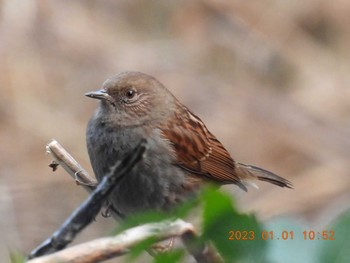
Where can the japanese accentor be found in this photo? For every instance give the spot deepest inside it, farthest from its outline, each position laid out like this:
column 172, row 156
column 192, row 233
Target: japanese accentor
column 182, row 154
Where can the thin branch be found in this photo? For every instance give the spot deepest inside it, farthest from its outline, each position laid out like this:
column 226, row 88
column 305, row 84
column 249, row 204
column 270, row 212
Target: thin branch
column 106, row 248
column 89, row 209
column 70, row 165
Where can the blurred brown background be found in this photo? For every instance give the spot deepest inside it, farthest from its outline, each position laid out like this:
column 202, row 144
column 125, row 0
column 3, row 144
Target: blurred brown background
column 270, row 79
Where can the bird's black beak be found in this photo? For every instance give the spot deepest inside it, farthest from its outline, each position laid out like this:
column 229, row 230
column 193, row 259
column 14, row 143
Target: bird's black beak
column 99, row 94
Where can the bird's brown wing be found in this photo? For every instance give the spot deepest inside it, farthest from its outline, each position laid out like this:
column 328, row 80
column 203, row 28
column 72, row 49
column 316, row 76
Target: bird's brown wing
column 197, row 150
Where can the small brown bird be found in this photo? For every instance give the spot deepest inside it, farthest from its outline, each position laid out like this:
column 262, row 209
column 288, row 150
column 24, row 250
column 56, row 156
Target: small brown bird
column 182, row 153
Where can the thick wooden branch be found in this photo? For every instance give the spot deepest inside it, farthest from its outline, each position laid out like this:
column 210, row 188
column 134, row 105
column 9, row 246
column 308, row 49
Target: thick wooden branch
column 106, row 248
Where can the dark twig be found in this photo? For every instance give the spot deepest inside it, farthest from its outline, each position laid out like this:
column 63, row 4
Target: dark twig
column 89, row 209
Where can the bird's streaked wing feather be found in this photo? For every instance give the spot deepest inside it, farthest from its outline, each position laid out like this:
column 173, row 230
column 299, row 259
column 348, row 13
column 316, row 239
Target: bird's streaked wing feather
column 198, row 151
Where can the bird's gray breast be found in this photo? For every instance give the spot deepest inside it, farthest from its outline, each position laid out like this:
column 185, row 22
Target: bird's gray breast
column 154, row 183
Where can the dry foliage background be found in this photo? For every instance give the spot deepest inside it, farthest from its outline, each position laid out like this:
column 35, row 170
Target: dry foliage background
column 270, row 78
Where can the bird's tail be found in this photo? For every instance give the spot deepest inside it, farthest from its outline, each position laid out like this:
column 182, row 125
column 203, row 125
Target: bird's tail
column 249, row 172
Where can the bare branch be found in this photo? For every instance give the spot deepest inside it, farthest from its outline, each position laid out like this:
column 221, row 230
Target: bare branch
column 72, row 167
column 106, row 248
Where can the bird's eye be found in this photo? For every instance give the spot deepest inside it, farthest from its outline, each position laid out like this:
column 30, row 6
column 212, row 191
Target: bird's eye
column 130, row 96
column 130, row 93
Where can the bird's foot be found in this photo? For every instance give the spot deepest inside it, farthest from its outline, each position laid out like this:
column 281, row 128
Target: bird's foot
column 106, row 210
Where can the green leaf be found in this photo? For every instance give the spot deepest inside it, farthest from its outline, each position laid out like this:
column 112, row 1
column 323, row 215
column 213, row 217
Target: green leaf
column 140, row 219
column 150, row 217
column 16, row 257
column 138, row 249
column 337, row 250
column 180, row 211
column 222, row 221
column 169, row 257
column 184, row 209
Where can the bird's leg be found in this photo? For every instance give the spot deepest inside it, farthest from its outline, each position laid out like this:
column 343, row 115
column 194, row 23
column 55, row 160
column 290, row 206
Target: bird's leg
column 106, row 210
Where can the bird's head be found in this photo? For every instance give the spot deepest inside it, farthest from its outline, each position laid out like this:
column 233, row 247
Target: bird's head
column 134, row 98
